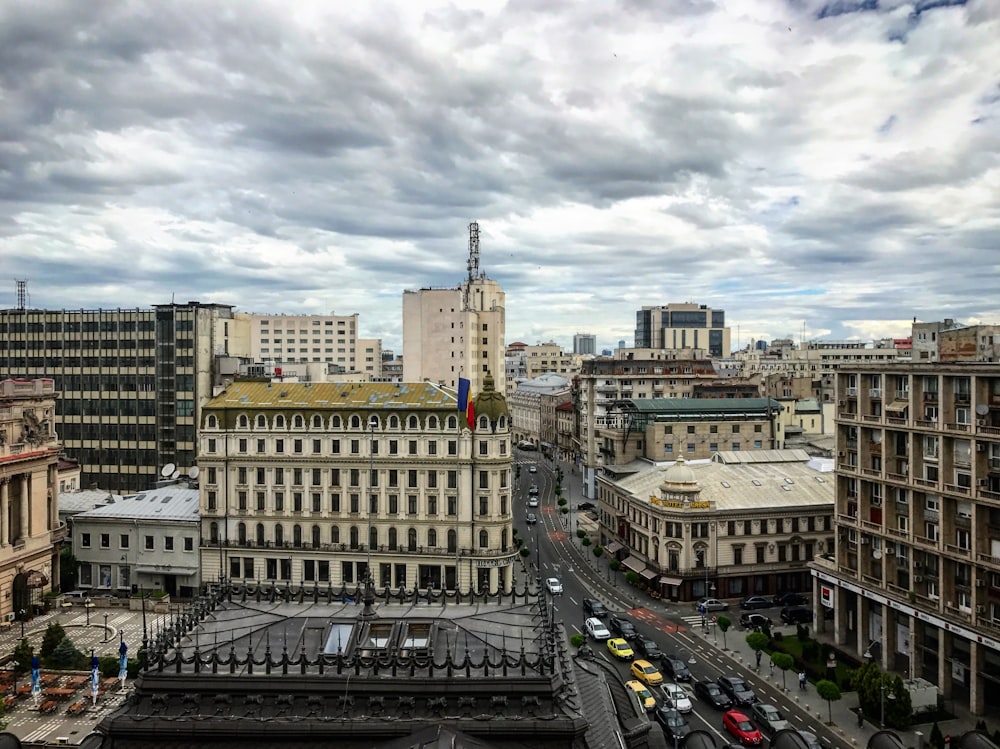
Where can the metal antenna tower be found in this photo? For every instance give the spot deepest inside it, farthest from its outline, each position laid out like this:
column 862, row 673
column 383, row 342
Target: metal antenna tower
column 22, row 287
column 473, row 250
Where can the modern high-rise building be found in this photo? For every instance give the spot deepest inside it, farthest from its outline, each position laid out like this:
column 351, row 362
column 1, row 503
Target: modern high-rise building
column 681, row 326
column 324, row 482
column 30, row 529
column 129, row 381
column 915, row 581
column 457, row 332
column 585, row 343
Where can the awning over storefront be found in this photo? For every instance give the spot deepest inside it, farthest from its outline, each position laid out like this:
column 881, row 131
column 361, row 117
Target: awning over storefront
column 613, row 548
column 897, row 407
column 649, row 575
column 633, row 564
column 667, row 580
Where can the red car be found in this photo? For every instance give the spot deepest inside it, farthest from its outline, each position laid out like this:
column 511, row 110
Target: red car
column 739, row 725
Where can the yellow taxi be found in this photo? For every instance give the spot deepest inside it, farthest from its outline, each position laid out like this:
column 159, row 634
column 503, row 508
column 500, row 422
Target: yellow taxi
column 646, row 699
column 646, row 672
column 620, row 648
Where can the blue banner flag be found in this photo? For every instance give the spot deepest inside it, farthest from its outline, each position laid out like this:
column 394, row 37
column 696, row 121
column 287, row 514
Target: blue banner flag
column 36, row 675
column 123, row 661
column 464, row 386
column 95, row 676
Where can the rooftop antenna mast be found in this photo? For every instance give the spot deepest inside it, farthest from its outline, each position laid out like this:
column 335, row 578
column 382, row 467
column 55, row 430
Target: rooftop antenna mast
column 22, row 292
column 473, row 261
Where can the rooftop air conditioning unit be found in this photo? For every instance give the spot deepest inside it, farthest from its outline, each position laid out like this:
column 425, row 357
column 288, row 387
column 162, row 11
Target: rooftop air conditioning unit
column 980, row 609
column 890, row 548
column 980, row 447
column 980, row 583
column 10, row 616
column 918, row 578
column 864, row 539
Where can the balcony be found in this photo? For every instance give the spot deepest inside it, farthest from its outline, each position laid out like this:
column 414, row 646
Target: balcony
column 930, row 396
column 898, row 533
column 900, row 478
column 875, row 393
column 852, row 392
column 962, row 551
column 957, row 489
column 870, row 472
column 902, row 395
column 955, row 426
column 925, row 541
column 871, row 418
column 929, row 483
column 847, row 415
column 987, row 559
column 990, row 430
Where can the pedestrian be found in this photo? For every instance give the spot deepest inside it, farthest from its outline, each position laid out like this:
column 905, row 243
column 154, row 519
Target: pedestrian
column 802, row 680
column 861, row 717
column 758, row 660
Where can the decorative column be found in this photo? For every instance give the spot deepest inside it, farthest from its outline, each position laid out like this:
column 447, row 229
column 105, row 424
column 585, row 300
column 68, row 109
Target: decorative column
column 25, row 508
column 977, row 706
column 4, row 511
column 944, row 663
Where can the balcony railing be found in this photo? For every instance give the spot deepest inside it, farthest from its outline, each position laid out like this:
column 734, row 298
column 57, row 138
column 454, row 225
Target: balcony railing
column 852, row 392
column 897, row 477
column 955, row 426
column 847, row 415
column 875, row 392
column 960, row 550
column 925, row 482
column 987, row 559
column 871, row 418
column 956, row 489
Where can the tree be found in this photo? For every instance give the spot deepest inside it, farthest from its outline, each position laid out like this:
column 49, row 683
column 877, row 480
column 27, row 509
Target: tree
column 631, row 577
column 54, row 634
column 936, row 738
column 67, row 569
column 829, row 692
column 724, row 623
column 783, row 661
column 67, row 657
column 757, row 642
column 577, row 640
column 598, row 550
column 23, row 654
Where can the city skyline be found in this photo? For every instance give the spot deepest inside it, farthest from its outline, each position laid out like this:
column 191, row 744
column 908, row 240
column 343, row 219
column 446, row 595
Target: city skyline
column 814, row 169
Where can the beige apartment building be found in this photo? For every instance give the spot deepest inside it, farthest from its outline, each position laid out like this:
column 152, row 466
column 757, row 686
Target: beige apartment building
column 533, row 409
column 681, row 326
column 456, row 332
column 300, row 339
column 740, row 524
column 30, row 530
column 916, row 577
column 129, row 381
column 320, row 483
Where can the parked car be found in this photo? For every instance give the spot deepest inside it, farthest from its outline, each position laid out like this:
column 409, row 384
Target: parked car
column 710, row 692
column 712, row 604
column 674, row 696
column 790, row 599
column 739, row 725
column 737, row 689
column 620, row 649
column 646, row 698
column 533, row 490
column 593, row 607
column 554, row 585
column 646, row 672
column 623, row 627
column 586, row 506
column 675, row 726
column 595, row 628
column 531, row 519
column 675, row 668
column 768, row 718
column 532, row 469
column 755, row 621
column 755, row 602
column 796, row 615
column 647, row 648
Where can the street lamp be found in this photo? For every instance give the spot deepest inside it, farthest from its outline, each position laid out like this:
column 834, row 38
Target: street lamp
column 22, row 613
column 86, row 606
column 892, row 696
column 106, row 627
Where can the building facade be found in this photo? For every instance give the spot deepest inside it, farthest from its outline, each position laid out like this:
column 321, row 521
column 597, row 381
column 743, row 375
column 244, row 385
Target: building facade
column 585, row 344
column 31, row 533
column 533, row 408
column 325, row 482
column 916, row 577
column 129, row 381
column 683, row 325
column 142, row 543
column 741, row 524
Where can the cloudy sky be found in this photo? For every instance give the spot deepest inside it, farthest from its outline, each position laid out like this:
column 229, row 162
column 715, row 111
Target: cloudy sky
column 820, row 167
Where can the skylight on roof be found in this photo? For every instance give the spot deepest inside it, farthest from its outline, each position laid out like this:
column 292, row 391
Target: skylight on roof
column 787, row 488
column 789, row 481
column 756, row 482
column 725, row 484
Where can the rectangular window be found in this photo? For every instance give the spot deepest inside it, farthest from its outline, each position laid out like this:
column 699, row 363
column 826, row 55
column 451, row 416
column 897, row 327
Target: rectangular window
column 393, row 504
column 484, row 506
column 484, row 479
column 317, row 502
column 452, row 479
column 355, row 504
column 123, row 541
column 297, row 446
column 411, row 478
column 432, row 447
column 394, row 447
column 335, row 477
column 105, row 540
column 317, row 447
column 188, row 543
column 411, row 504
column 279, row 446
column 432, row 506
column 279, row 501
column 355, row 447
column 261, row 446
column 452, row 506
column 324, row 571
column 296, row 501
column 242, row 446
column 317, row 476
column 335, row 447
column 412, row 448
column 212, row 501
column 168, row 543
column 335, row 502
column 261, row 501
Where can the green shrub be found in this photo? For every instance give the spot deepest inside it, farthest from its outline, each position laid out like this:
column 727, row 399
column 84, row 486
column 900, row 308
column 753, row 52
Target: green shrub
column 631, row 577
column 562, row 501
column 580, row 533
column 67, row 657
column 585, row 542
column 598, row 551
column 525, row 551
column 614, row 564
column 577, row 640
column 54, row 634
column 564, row 510
column 23, row 654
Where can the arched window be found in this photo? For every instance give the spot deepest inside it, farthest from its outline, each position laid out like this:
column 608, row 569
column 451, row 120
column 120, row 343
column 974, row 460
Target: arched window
column 211, row 422
column 279, row 535
column 452, row 541
column 432, row 538
column 317, row 421
column 355, row 422
column 279, row 422
column 297, row 422
column 432, row 422
column 297, row 536
column 452, row 422
column 373, row 538
column 243, row 422
column 394, row 422
column 484, row 423
column 502, row 422
column 315, row 536
column 484, row 539
column 261, row 421
column 213, row 532
column 411, row 539
column 412, row 422
column 335, row 534
column 393, row 541
column 241, row 533
column 259, row 534
column 503, row 540
column 335, row 422
column 354, row 537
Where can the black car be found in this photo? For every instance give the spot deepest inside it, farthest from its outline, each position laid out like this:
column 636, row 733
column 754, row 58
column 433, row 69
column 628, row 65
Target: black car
column 796, row 615
column 737, row 690
column 755, row 621
column 675, row 726
column 586, row 506
column 593, row 607
column 647, row 648
column 623, row 628
column 755, row 602
column 675, row 668
column 790, row 599
column 710, row 692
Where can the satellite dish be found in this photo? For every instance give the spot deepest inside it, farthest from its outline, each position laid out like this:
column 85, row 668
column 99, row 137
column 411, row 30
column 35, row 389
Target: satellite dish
column 167, row 470
column 982, row 409
column 876, row 554
column 193, row 472
column 175, row 474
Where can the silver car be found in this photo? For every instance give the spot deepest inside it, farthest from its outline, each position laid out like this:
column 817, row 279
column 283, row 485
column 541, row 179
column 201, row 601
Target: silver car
column 674, row 696
column 768, row 718
column 712, row 604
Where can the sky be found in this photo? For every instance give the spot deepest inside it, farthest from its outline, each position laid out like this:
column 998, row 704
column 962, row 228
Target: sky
column 824, row 169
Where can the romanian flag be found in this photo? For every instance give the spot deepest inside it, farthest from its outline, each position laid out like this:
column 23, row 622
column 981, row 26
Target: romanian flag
column 465, row 402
